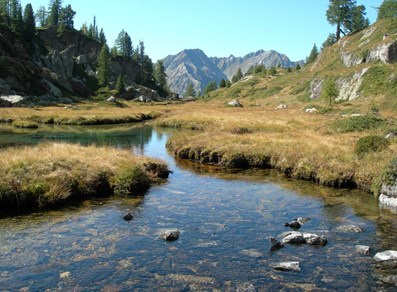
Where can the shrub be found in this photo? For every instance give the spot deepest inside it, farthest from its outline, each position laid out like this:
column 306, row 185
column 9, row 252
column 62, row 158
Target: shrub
column 357, row 124
column 131, row 181
column 371, row 144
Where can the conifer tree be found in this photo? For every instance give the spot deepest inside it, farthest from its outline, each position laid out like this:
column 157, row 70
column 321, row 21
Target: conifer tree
column 124, row 44
column 313, row 55
column 41, row 16
column 222, row 83
column 236, row 77
column 339, row 13
column 66, row 17
column 54, row 12
column 331, row 40
column 120, row 84
column 330, row 92
column 387, row 9
column 5, row 12
column 210, row 87
column 358, row 21
column 17, row 24
column 160, row 76
column 102, row 37
column 29, row 22
column 104, row 66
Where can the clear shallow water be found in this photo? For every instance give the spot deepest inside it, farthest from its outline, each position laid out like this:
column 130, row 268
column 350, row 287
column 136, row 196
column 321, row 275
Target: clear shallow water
column 225, row 218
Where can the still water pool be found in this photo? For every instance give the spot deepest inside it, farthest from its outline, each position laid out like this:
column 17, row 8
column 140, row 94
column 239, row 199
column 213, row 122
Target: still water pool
column 225, row 219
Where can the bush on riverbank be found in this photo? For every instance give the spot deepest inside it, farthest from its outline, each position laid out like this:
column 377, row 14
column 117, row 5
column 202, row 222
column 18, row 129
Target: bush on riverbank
column 52, row 173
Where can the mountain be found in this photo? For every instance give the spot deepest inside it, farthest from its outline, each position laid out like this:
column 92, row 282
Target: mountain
column 230, row 65
column 191, row 67
column 195, row 67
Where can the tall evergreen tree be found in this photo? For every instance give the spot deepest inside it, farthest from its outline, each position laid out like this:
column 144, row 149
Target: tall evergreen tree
column 124, row 44
column 313, row 55
column 102, row 37
column 331, row 40
column 17, row 24
column 236, row 77
column 339, row 13
column 29, row 22
column 160, row 76
column 222, row 83
column 147, row 65
column 387, row 9
column 41, row 16
column 66, row 17
column 54, row 12
column 358, row 21
column 210, row 87
column 5, row 12
column 104, row 66
column 120, row 84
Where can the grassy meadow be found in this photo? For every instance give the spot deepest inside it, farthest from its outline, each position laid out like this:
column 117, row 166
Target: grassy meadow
column 50, row 174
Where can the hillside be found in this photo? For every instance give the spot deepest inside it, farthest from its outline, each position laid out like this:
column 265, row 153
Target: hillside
column 362, row 66
column 195, row 67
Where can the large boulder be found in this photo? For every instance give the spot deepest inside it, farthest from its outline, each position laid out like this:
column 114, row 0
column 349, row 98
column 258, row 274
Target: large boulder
column 386, row 53
column 388, row 255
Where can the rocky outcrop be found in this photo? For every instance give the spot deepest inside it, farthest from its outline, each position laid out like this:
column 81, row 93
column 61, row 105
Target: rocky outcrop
column 316, row 88
column 388, row 197
column 349, row 59
column 349, row 87
column 386, row 53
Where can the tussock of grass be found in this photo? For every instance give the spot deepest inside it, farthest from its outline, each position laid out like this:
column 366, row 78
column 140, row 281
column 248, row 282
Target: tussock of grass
column 357, row 123
column 25, row 124
column 52, row 173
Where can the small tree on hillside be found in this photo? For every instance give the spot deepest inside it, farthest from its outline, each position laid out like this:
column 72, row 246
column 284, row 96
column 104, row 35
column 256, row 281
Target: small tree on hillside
column 210, row 87
column 124, row 44
column 189, row 90
column 297, row 67
column 104, row 66
column 330, row 92
column 387, row 9
column 222, row 83
column 102, row 37
column 330, row 41
column 313, row 55
column 238, row 76
column 120, row 84
column 41, row 16
column 161, row 77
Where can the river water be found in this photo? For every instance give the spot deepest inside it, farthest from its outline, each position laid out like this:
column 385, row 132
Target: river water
column 225, row 219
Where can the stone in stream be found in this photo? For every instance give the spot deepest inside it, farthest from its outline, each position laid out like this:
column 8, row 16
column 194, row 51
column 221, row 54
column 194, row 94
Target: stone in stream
column 276, row 244
column 170, row 235
column 293, row 238
column 293, row 224
column 287, row 266
column 363, row 249
column 349, row 228
column 388, row 255
column 314, row 239
column 128, row 217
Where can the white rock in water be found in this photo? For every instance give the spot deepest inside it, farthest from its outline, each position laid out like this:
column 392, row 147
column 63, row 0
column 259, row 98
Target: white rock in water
column 388, row 255
column 170, row 235
column 363, row 249
column 287, row 266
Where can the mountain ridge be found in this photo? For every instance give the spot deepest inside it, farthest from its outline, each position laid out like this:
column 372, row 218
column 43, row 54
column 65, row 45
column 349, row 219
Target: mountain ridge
column 193, row 66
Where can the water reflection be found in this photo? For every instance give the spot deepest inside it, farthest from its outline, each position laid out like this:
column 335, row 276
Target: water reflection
column 225, row 218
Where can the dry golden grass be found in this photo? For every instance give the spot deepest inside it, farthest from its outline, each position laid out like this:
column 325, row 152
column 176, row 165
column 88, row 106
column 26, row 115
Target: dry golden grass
column 51, row 173
column 300, row 144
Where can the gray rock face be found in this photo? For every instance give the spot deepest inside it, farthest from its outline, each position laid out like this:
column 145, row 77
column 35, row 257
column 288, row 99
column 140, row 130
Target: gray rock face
column 350, row 60
column 349, row 229
column 52, row 89
column 61, row 62
column 5, row 89
column 287, row 266
column 349, row 88
column 388, row 255
column 316, row 88
column 386, row 53
column 170, row 235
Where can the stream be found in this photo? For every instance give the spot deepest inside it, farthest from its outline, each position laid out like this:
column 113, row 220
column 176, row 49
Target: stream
column 225, row 218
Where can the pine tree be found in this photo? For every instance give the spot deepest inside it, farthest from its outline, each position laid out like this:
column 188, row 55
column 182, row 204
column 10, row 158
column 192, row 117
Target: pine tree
column 124, row 44
column 160, row 76
column 189, row 90
column 330, row 92
column 238, row 76
column 339, row 13
column 313, row 55
column 104, row 66
column 273, row 71
column 222, row 83
column 228, row 83
column 41, row 16
column 102, row 37
column 210, row 87
column 54, row 12
column 29, row 22
column 297, row 67
column 387, row 9
column 330, row 41
column 17, row 24
column 147, row 65
column 120, row 84
column 66, row 17
column 358, row 21
column 5, row 12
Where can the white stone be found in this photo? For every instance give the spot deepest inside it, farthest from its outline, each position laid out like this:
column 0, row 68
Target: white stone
column 388, row 202
column 287, row 266
column 363, row 249
column 388, row 255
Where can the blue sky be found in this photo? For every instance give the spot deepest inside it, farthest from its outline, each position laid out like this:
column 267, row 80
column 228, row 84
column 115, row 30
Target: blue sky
column 218, row 27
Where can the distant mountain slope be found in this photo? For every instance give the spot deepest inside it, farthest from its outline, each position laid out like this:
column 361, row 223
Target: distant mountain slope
column 194, row 67
column 191, row 67
column 230, row 65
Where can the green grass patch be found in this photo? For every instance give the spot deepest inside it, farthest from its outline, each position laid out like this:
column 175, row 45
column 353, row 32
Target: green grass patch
column 25, row 124
column 357, row 124
column 371, row 143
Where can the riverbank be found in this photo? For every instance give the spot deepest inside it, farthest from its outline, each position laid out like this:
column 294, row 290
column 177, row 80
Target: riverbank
column 51, row 174
column 309, row 146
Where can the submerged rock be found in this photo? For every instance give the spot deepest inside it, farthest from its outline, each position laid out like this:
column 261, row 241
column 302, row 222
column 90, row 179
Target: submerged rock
column 276, row 244
column 128, row 217
column 363, row 249
column 349, row 228
column 388, row 255
column 170, row 235
column 314, row 239
column 293, row 224
column 287, row 266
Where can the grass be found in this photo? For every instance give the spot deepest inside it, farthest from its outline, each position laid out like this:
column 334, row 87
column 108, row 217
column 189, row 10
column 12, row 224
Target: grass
column 50, row 174
column 25, row 124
